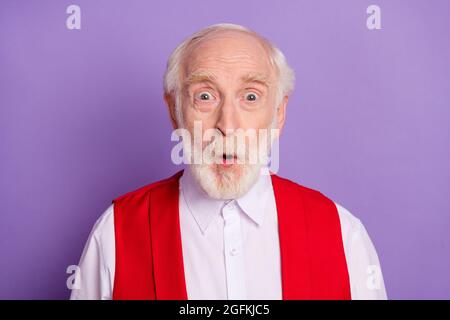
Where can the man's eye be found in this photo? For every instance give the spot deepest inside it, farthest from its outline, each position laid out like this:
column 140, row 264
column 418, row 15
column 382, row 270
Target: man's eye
column 251, row 96
column 205, row 96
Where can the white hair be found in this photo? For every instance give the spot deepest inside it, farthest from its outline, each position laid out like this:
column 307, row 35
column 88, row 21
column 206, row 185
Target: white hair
column 172, row 86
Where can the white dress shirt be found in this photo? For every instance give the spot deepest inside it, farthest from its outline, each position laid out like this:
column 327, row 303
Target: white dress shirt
column 230, row 248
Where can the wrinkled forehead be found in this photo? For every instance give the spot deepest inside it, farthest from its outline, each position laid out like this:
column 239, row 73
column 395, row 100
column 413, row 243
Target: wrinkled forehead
column 235, row 52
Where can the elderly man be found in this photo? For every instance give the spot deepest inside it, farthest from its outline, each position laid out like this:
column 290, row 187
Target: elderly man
column 227, row 228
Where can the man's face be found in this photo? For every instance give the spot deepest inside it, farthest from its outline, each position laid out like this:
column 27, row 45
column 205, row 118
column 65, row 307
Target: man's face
column 228, row 84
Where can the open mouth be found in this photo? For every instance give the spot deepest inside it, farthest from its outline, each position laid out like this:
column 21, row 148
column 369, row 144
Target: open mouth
column 228, row 159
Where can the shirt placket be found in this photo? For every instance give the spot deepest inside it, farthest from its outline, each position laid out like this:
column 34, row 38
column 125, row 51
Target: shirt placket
column 234, row 255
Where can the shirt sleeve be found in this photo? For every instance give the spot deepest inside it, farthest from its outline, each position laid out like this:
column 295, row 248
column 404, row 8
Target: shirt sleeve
column 95, row 273
column 366, row 278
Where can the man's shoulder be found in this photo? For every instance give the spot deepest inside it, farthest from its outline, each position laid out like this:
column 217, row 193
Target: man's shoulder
column 104, row 226
column 144, row 190
column 308, row 193
column 295, row 187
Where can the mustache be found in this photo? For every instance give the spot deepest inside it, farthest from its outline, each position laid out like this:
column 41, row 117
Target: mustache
column 228, row 148
column 248, row 146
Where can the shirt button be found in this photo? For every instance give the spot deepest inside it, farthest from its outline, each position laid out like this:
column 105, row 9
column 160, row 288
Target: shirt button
column 233, row 251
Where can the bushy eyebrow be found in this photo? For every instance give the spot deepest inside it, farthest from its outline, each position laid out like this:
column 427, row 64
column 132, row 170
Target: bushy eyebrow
column 260, row 78
column 206, row 76
column 198, row 77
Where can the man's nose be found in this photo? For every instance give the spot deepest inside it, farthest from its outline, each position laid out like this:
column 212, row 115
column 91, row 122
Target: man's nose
column 227, row 117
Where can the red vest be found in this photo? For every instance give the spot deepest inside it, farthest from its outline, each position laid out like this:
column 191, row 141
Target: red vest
column 149, row 260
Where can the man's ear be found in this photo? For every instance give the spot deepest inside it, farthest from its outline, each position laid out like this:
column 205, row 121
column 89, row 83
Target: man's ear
column 281, row 113
column 170, row 102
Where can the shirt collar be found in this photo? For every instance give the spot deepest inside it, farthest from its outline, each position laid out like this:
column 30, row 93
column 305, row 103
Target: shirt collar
column 204, row 208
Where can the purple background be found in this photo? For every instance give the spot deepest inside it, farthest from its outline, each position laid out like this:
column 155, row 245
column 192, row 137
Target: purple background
column 82, row 121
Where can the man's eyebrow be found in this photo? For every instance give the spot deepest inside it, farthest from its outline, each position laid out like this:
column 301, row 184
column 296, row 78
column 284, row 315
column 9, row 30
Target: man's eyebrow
column 256, row 77
column 206, row 76
column 199, row 76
